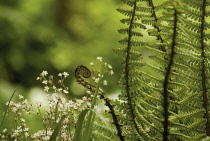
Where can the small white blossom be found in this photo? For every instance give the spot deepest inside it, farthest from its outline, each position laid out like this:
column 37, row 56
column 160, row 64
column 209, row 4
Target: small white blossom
column 15, row 134
column 60, row 74
column 100, row 75
column 26, row 134
column 46, row 138
column 111, row 72
column 65, row 74
column 44, row 81
column 99, row 58
column 21, row 97
column 109, row 66
column 84, row 98
column 23, row 120
column 25, row 102
column 38, row 104
column 54, row 88
column 18, row 105
column 44, row 73
column 26, row 129
column 96, row 80
column 91, row 63
column 5, row 130
column 9, row 103
column 105, row 82
column 89, row 92
column 65, row 91
column 147, row 129
column 64, row 135
column 46, row 88
column 60, row 89
column 14, row 109
column 75, row 107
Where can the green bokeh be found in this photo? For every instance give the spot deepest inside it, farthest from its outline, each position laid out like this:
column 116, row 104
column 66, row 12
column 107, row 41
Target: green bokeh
column 56, row 36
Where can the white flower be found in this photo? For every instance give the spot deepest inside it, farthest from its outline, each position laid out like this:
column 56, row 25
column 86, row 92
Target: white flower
column 111, row 72
column 60, row 74
column 65, row 74
column 60, row 89
column 100, row 75
column 91, row 63
column 18, row 105
column 46, row 88
column 96, row 80
column 44, row 82
column 23, row 120
column 89, row 92
column 46, row 138
column 99, row 58
column 5, row 130
column 109, row 66
column 105, row 82
column 37, row 78
column 65, row 91
column 21, row 97
column 64, row 135
column 26, row 129
column 147, row 129
column 15, row 134
column 44, row 73
column 26, row 134
column 14, row 109
column 54, row 88
column 84, row 98
column 75, row 107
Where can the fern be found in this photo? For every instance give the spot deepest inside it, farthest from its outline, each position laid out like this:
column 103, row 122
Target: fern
column 172, row 105
column 165, row 97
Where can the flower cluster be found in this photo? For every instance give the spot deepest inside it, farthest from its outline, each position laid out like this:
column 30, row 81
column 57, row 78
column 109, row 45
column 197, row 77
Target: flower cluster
column 106, row 68
column 48, row 81
column 58, row 107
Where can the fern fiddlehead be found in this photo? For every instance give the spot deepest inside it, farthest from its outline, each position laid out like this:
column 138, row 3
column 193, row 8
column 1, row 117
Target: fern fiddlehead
column 82, row 72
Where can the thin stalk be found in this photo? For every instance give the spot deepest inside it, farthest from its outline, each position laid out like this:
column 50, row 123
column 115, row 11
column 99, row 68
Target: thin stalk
column 127, row 69
column 203, row 73
column 89, row 124
column 9, row 105
column 166, row 82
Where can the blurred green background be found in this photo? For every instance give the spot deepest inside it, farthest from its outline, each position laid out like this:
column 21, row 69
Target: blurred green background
column 57, row 36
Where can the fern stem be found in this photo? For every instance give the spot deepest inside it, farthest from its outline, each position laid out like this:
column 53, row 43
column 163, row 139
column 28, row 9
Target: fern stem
column 155, row 26
column 166, row 82
column 114, row 116
column 205, row 95
column 86, row 84
column 127, row 69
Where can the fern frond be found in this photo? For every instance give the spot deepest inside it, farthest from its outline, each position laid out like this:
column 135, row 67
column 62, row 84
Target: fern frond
column 126, row 30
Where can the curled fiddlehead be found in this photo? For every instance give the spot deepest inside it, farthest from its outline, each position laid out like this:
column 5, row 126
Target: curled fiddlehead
column 82, row 72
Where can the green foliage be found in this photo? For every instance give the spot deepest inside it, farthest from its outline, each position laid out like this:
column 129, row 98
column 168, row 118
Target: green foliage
column 169, row 102
column 164, row 95
column 56, row 130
